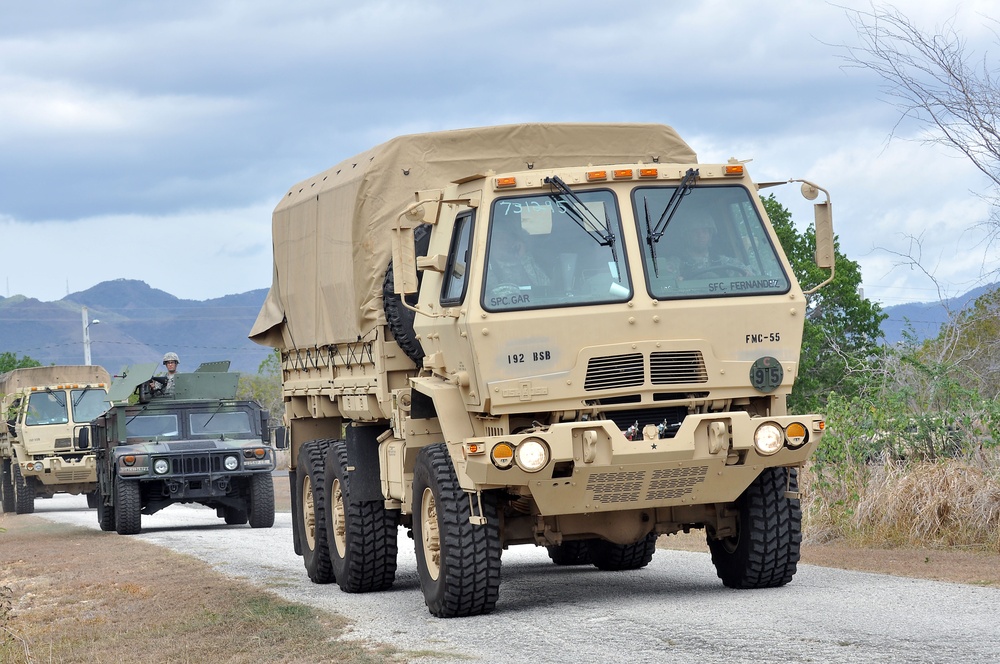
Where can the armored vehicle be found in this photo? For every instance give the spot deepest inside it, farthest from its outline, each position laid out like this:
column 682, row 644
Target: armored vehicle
column 565, row 335
column 41, row 453
column 198, row 444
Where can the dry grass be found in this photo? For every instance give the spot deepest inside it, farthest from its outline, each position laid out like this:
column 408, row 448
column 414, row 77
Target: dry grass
column 76, row 595
column 953, row 503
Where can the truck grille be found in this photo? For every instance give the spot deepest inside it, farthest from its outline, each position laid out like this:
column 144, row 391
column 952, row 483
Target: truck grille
column 640, row 417
column 76, row 475
column 194, row 465
column 657, row 485
column 665, row 368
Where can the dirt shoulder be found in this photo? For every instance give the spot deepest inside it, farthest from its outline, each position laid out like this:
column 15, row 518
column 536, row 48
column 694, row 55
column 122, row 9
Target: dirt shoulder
column 955, row 566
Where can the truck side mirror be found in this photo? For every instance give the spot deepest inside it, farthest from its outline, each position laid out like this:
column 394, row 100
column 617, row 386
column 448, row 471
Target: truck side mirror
column 11, row 424
column 265, row 418
column 824, row 236
column 280, row 438
column 83, row 438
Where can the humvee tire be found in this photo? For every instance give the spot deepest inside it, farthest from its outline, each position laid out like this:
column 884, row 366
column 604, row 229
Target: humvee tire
column 24, row 491
column 397, row 316
column 613, row 557
column 765, row 551
column 311, row 513
column 458, row 562
column 6, row 486
column 576, row 552
column 260, row 506
column 362, row 536
column 128, row 507
column 234, row 516
column 105, row 514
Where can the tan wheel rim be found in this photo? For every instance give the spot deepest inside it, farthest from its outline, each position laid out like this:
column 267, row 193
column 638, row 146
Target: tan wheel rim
column 431, row 536
column 308, row 513
column 339, row 520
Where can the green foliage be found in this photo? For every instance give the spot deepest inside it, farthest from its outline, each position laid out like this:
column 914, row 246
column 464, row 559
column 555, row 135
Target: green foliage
column 10, row 361
column 842, row 328
column 264, row 387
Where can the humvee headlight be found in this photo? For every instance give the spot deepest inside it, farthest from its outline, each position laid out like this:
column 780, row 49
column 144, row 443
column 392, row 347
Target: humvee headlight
column 768, row 438
column 531, row 455
column 231, row 463
column 502, row 455
column 160, row 466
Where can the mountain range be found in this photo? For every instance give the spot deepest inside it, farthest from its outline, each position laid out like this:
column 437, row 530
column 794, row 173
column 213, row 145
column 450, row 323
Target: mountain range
column 138, row 323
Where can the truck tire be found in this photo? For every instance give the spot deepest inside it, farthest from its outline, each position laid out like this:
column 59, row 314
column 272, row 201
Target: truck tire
column 24, row 491
column 234, row 516
column 613, row 557
column 764, row 553
column 128, row 507
column 458, row 562
column 398, row 317
column 6, row 486
column 311, row 512
column 362, row 535
column 260, row 507
column 575, row 552
column 105, row 514
column 92, row 498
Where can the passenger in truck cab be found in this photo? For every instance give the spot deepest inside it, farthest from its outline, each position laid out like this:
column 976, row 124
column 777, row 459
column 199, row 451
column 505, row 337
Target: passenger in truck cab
column 696, row 256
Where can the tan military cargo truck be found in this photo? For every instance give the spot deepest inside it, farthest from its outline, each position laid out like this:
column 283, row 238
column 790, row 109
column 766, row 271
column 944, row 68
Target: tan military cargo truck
column 564, row 335
column 40, row 450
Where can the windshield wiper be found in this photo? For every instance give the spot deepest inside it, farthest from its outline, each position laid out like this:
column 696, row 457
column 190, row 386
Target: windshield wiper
column 582, row 215
column 55, row 395
column 654, row 234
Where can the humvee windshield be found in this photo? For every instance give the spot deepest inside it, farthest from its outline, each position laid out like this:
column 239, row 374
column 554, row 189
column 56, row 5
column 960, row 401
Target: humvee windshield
column 88, row 404
column 544, row 253
column 46, row 408
column 236, row 425
column 714, row 246
column 152, row 426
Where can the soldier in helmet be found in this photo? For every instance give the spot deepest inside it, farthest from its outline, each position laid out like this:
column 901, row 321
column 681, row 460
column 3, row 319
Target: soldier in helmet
column 165, row 384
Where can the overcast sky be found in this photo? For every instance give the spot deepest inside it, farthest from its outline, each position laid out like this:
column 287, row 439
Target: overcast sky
column 151, row 140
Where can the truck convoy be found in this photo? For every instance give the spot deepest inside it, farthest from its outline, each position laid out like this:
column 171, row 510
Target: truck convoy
column 41, row 453
column 196, row 443
column 573, row 336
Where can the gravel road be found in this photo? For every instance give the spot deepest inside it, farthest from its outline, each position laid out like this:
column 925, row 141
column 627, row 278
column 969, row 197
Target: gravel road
column 675, row 610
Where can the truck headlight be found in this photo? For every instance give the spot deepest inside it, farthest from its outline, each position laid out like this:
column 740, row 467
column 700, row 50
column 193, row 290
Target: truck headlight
column 160, row 466
column 768, row 438
column 531, row 455
column 39, row 466
column 231, row 463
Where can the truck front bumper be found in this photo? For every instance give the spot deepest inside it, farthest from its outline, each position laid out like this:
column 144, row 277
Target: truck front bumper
column 57, row 470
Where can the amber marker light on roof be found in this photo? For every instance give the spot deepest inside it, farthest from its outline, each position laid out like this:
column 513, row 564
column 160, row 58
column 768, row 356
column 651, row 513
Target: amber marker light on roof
column 593, row 176
column 648, row 173
column 734, row 169
column 503, row 183
column 622, row 174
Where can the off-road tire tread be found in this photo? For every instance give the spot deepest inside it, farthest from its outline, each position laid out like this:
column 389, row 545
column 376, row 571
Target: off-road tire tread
column 92, row 498
column 234, row 516
column 575, row 552
column 770, row 537
column 312, row 463
column 612, row 557
column 469, row 579
column 24, row 491
column 260, row 506
column 369, row 564
column 398, row 317
column 128, row 507
column 6, row 486
column 105, row 514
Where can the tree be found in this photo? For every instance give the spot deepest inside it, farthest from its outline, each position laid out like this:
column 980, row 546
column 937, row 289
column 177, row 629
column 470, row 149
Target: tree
column 10, row 361
column 936, row 82
column 264, row 387
column 842, row 328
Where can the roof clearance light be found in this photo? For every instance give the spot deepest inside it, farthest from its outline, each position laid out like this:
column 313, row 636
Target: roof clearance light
column 622, row 174
column 503, row 183
column 593, row 176
column 648, row 173
column 734, row 169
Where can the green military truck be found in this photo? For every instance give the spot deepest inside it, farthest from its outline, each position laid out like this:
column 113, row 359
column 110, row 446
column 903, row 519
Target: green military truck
column 565, row 335
column 41, row 453
column 199, row 444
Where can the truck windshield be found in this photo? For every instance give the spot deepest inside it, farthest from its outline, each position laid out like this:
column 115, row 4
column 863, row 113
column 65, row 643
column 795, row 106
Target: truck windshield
column 88, row 404
column 46, row 408
column 540, row 256
column 715, row 245
column 236, row 425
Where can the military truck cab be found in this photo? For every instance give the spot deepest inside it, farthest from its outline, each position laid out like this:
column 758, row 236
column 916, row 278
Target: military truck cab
column 198, row 445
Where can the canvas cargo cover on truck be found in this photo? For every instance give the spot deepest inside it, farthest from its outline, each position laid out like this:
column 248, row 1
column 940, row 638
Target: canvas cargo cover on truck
column 332, row 232
column 58, row 375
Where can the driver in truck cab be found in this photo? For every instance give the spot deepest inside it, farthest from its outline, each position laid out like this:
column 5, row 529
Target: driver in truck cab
column 512, row 270
column 698, row 257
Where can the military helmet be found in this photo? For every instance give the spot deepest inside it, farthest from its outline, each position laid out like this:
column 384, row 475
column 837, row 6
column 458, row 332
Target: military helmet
column 171, row 357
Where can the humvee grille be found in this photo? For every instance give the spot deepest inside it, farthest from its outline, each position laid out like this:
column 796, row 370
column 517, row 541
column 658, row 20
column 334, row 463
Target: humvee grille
column 190, row 465
column 613, row 371
column 676, row 367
